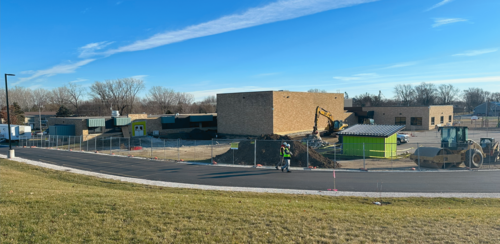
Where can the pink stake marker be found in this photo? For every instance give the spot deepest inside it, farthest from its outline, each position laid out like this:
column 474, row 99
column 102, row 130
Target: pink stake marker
column 334, row 188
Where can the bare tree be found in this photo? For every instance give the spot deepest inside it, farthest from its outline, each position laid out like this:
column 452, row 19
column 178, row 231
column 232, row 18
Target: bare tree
column 40, row 97
column 446, row 94
column 495, row 96
column 208, row 105
column 120, row 93
column 59, row 96
column 75, row 93
column 162, row 98
column 473, row 97
column 316, row 90
column 426, row 94
column 405, row 94
column 369, row 100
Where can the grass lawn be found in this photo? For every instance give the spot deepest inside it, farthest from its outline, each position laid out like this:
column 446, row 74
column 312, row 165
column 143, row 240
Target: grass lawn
column 39, row 205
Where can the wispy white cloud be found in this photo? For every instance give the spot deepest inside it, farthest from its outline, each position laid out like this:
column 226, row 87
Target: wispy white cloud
column 89, row 49
column 27, row 72
column 400, row 65
column 204, row 93
column 58, row 69
column 476, row 52
column 439, row 4
column 139, row 77
column 78, row 80
column 266, row 74
column 445, row 21
column 473, row 80
column 357, row 77
column 277, row 11
column 33, row 87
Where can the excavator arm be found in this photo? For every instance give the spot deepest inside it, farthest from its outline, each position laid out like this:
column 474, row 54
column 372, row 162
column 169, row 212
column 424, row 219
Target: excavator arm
column 333, row 125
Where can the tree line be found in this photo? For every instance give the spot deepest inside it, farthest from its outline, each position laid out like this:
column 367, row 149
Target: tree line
column 98, row 99
column 426, row 94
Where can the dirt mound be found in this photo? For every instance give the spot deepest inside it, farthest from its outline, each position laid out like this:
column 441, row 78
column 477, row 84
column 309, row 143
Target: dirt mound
column 268, row 153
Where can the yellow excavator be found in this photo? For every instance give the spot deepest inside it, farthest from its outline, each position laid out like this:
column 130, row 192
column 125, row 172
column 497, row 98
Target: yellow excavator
column 333, row 125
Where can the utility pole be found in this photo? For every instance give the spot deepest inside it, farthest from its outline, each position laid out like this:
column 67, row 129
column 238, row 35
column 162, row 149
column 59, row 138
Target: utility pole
column 11, row 151
column 40, row 117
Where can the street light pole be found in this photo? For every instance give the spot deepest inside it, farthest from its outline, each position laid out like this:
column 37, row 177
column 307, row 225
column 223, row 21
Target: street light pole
column 11, row 152
column 40, row 117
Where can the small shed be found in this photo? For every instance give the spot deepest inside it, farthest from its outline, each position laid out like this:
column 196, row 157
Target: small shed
column 377, row 140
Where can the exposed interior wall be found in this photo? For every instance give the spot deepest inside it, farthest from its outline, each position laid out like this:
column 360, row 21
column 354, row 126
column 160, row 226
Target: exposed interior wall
column 249, row 113
column 437, row 112
column 295, row 111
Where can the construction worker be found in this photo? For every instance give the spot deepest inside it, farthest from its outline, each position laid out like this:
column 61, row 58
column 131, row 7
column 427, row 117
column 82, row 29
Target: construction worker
column 287, row 156
column 282, row 150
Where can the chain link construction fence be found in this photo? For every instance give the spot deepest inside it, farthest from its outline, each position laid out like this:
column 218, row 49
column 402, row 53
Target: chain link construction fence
column 364, row 156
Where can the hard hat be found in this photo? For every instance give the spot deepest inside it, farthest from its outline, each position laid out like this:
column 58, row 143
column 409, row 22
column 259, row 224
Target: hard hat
column 287, row 145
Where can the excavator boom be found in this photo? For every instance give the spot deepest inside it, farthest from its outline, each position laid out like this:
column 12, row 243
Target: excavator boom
column 333, row 125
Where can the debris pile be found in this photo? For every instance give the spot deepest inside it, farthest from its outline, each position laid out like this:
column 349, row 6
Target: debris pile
column 268, row 147
column 315, row 141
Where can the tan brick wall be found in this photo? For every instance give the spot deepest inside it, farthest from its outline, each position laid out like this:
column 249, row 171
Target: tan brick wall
column 387, row 115
column 295, row 111
column 437, row 112
column 137, row 116
column 249, row 113
column 279, row 112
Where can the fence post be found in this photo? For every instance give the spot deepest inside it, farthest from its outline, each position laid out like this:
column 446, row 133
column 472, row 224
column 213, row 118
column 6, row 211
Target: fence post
column 57, row 142
column 110, row 145
column 418, row 155
column 255, row 153
column 129, row 139
column 151, row 148
column 49, row 141
column 81, row 143
column 87, row 137
column 364, row 163
column 307, row 146
column 194, row 150
column 95, row 144
column 178, row 153
column 119, row 143
column 212, row 151
column 164, row 150
column 69, row 142
column 334, row 155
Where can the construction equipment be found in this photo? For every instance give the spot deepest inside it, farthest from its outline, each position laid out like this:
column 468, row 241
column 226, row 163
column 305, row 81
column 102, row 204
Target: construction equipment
column 333, row 125
column 456, row 149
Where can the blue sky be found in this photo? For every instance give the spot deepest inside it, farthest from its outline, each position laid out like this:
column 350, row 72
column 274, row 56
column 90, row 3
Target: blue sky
column 209, row 47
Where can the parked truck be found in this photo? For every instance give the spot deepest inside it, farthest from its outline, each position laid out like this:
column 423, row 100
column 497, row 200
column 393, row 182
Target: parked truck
column 17, row 132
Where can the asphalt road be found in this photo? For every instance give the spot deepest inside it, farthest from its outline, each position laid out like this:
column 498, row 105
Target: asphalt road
column 427, row 182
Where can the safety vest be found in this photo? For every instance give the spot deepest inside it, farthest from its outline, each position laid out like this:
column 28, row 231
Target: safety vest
column 287, row 153
column 281, row 150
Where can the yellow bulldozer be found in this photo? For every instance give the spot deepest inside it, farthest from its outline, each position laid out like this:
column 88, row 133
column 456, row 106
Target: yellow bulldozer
column 456, row 149
column 333, row 125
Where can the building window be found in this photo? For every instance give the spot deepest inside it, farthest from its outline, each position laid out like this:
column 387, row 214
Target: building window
column 449, row 118
column 441, row 120
column 416, row 121
column 400, row 121
column 432, row 120
column 95, row 130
